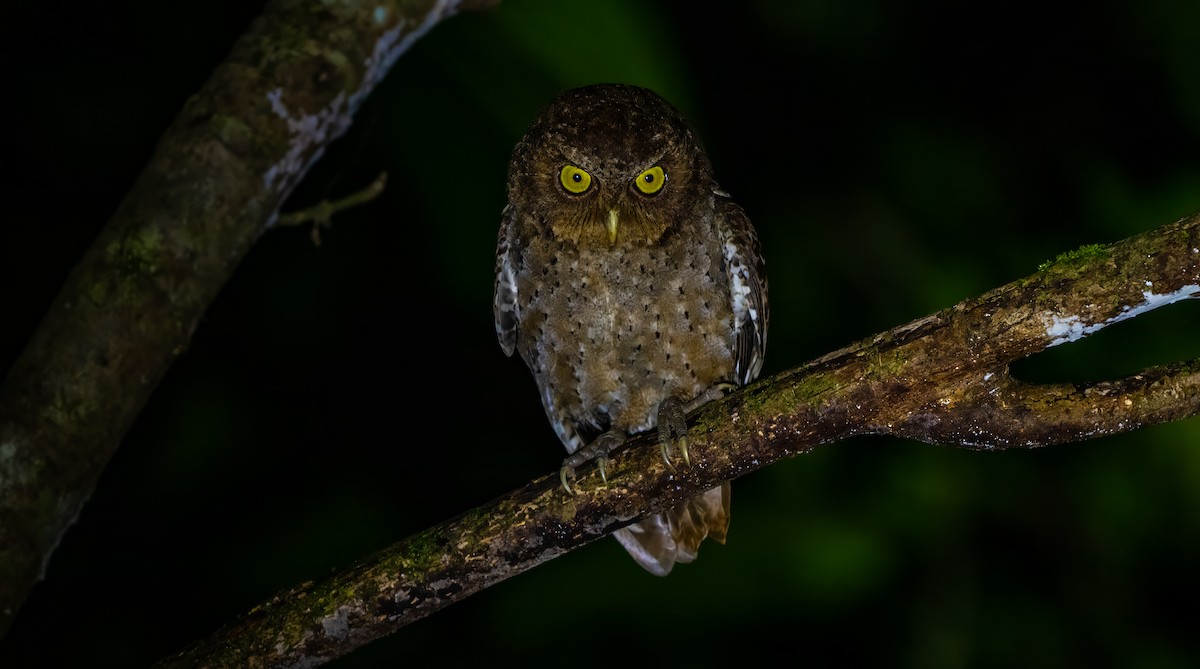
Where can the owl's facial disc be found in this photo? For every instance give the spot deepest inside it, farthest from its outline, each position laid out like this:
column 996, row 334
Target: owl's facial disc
column 610, row 201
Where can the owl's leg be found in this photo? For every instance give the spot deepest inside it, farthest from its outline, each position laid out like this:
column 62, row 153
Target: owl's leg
column 598, row 450
column 672, row 420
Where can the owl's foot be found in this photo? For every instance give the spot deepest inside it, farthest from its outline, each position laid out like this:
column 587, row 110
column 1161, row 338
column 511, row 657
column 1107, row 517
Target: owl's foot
column 672, row 420
column 672, row 430
column 598, row 450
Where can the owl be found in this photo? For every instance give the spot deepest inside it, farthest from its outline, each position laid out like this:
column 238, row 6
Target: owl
column 633, row 288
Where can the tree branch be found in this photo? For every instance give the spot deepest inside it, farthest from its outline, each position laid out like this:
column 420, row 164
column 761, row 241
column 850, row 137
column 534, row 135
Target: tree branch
column 940, row 379
column 216, row 180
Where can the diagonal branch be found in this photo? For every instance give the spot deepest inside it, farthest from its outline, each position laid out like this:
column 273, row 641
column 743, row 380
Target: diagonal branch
column 940, row 379
column 216, row 180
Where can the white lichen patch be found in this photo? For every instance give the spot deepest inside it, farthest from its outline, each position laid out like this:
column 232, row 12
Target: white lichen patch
column 392, row 43
column 1061, row 330
column 311, row 132
column 337, row 624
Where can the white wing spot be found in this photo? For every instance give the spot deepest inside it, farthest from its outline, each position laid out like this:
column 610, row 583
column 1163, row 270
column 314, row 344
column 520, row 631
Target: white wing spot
column 739, row 287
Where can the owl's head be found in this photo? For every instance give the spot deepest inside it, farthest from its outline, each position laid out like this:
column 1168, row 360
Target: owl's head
column 609, row 164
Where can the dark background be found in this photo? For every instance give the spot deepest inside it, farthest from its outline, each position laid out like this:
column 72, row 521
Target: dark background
column 895, row 157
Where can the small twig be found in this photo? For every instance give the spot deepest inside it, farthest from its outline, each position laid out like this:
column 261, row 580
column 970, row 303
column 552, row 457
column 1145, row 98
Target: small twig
column 321, row 213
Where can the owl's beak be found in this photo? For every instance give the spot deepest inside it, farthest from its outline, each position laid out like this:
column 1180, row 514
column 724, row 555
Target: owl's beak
column 612, row 226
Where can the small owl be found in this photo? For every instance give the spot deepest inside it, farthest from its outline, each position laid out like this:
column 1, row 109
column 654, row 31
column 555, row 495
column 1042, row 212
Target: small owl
column 631, row 285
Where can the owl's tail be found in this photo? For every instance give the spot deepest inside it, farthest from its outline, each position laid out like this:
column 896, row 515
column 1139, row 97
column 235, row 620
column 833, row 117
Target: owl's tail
column 658, row 542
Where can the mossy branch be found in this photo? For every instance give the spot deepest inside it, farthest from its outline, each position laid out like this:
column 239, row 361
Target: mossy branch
column 940, row 379
column 216, row 181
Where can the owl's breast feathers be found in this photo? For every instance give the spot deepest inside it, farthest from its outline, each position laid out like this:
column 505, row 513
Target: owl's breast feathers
column 611, row 331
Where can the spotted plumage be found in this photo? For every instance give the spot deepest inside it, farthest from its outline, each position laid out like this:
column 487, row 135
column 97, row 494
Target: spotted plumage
column 629, row 283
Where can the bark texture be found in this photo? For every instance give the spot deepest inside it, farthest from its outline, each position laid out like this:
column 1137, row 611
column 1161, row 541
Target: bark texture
column 940, row 379
column 215, row 182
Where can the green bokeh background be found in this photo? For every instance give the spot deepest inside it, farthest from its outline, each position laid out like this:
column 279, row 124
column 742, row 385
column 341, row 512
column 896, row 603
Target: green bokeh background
column 896, row 157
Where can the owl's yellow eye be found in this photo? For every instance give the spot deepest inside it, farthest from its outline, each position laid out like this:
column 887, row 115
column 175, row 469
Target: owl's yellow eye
column 651, row 181
column 574, row 179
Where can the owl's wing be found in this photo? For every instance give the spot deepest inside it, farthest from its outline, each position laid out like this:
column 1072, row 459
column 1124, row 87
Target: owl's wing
column 504, row 299
column 747, row 288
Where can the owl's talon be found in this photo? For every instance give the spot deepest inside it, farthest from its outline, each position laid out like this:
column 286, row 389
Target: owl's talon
column 665, row 447
column 672, row 429
column 716, row 392
column 598, row 450
column 722, row 389
column 562, row 477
